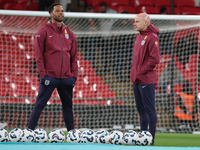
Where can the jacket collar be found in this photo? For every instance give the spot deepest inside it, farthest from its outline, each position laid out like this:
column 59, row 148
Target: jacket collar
column 51, row 22
column 150, row 29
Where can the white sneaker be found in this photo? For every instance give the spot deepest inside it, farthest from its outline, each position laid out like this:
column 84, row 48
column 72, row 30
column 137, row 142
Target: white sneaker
column 2, row 125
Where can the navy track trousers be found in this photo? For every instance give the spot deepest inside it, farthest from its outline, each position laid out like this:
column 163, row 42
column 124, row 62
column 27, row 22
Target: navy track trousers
column 65, row 91
column 145, row 103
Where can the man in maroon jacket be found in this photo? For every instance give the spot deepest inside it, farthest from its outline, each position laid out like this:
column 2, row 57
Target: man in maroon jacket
column 56, row 58
column 146, row 55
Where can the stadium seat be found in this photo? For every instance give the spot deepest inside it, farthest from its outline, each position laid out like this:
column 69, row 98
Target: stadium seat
column 129, row 9
column 88, row 2
column 4, row 70
column 186, row 3
column 79, row 56
column 27, row 39
column 96, row 3
column 95, row 80
column 34, row 88
column 193, row 62
column 4, row 62
column 17, row 63
column 55, row 94
column 140, row 3
column 18, row 71
column 120, row 3
column 179, row 65
column 12, row 6
column 85, row 63
column 176, row 10
column 147, row 9
column 102, row 87
column 106, row 94
column 165, row 3
column 29, row 79
column 165, row 58
column 178, row 88
column 85, row 68
column 17, row 90
column 3, row 89
column 86, row 71
column 189, row 11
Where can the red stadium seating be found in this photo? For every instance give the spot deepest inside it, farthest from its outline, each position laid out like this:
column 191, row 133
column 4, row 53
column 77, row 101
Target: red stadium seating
column 147, row 9
column 4, row 62
column 94, row 80
column 189, row 11
column 186, row 3
column 12, row 6
column 129, row 9
column 163, row 3
column 19, row 71
column 97, row 2
column 3, row 89
column 120, row 3
column 4, row 70
column 193, row 62
column 176, row 10
column 140, row 3
column 33, row 6
column 79, row 56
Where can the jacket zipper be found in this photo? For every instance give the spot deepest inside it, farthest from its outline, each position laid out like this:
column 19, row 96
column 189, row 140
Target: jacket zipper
column 62, row 51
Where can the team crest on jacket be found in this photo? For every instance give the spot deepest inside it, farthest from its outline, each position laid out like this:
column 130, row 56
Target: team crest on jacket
column 66, row 35
column 143, row 41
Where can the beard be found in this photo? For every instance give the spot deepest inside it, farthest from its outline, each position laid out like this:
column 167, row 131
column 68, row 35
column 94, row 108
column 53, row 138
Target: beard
column 56, row 18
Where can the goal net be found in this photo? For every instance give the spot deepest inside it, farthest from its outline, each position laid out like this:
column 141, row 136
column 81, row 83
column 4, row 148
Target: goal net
column 103, row 93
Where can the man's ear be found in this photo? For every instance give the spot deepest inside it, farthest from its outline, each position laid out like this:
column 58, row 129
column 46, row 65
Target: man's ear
column 51, row 14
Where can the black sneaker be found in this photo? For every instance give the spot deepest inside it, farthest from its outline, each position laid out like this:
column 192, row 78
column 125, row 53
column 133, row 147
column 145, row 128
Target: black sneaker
column 152, row 144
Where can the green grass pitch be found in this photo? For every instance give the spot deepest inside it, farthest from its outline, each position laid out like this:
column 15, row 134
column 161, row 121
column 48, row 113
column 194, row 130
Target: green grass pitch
column 177, row 139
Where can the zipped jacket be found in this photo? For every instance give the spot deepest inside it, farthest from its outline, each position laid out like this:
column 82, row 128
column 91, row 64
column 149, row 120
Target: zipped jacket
column 146, row 55
column 56, row 51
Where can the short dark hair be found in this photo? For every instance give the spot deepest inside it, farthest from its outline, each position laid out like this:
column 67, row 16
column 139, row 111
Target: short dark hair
column 124, row 12
column 50, row 9
column 163, row 10
column 90, row 8
column 103, row 4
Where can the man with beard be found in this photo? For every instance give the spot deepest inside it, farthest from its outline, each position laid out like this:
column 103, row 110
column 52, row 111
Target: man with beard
column 56, row 58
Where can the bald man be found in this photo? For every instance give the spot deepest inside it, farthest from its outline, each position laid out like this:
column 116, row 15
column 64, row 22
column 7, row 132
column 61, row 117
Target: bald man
column 146, row 55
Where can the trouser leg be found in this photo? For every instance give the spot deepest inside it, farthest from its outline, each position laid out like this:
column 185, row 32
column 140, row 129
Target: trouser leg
column 145, row 101
column 148, row 98
column 44, row 95
column 140, row 108
column 65, row 90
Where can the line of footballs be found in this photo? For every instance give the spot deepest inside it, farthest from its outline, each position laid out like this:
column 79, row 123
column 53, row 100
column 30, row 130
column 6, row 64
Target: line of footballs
column 130, row 137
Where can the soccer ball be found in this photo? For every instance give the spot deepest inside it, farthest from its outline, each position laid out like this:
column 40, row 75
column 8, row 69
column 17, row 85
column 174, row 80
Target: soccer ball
column 40, row 136
column 144, row 138
column 73, row 136
column 102, row 136
column 27, row 135
column 130, row 137
column 4, row 135
column 88, row 136
column 56, row 136
column 14, row 135
column 116, row 137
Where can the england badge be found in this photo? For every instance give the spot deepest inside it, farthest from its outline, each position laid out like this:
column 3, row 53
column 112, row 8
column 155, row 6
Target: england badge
column 143, row 41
